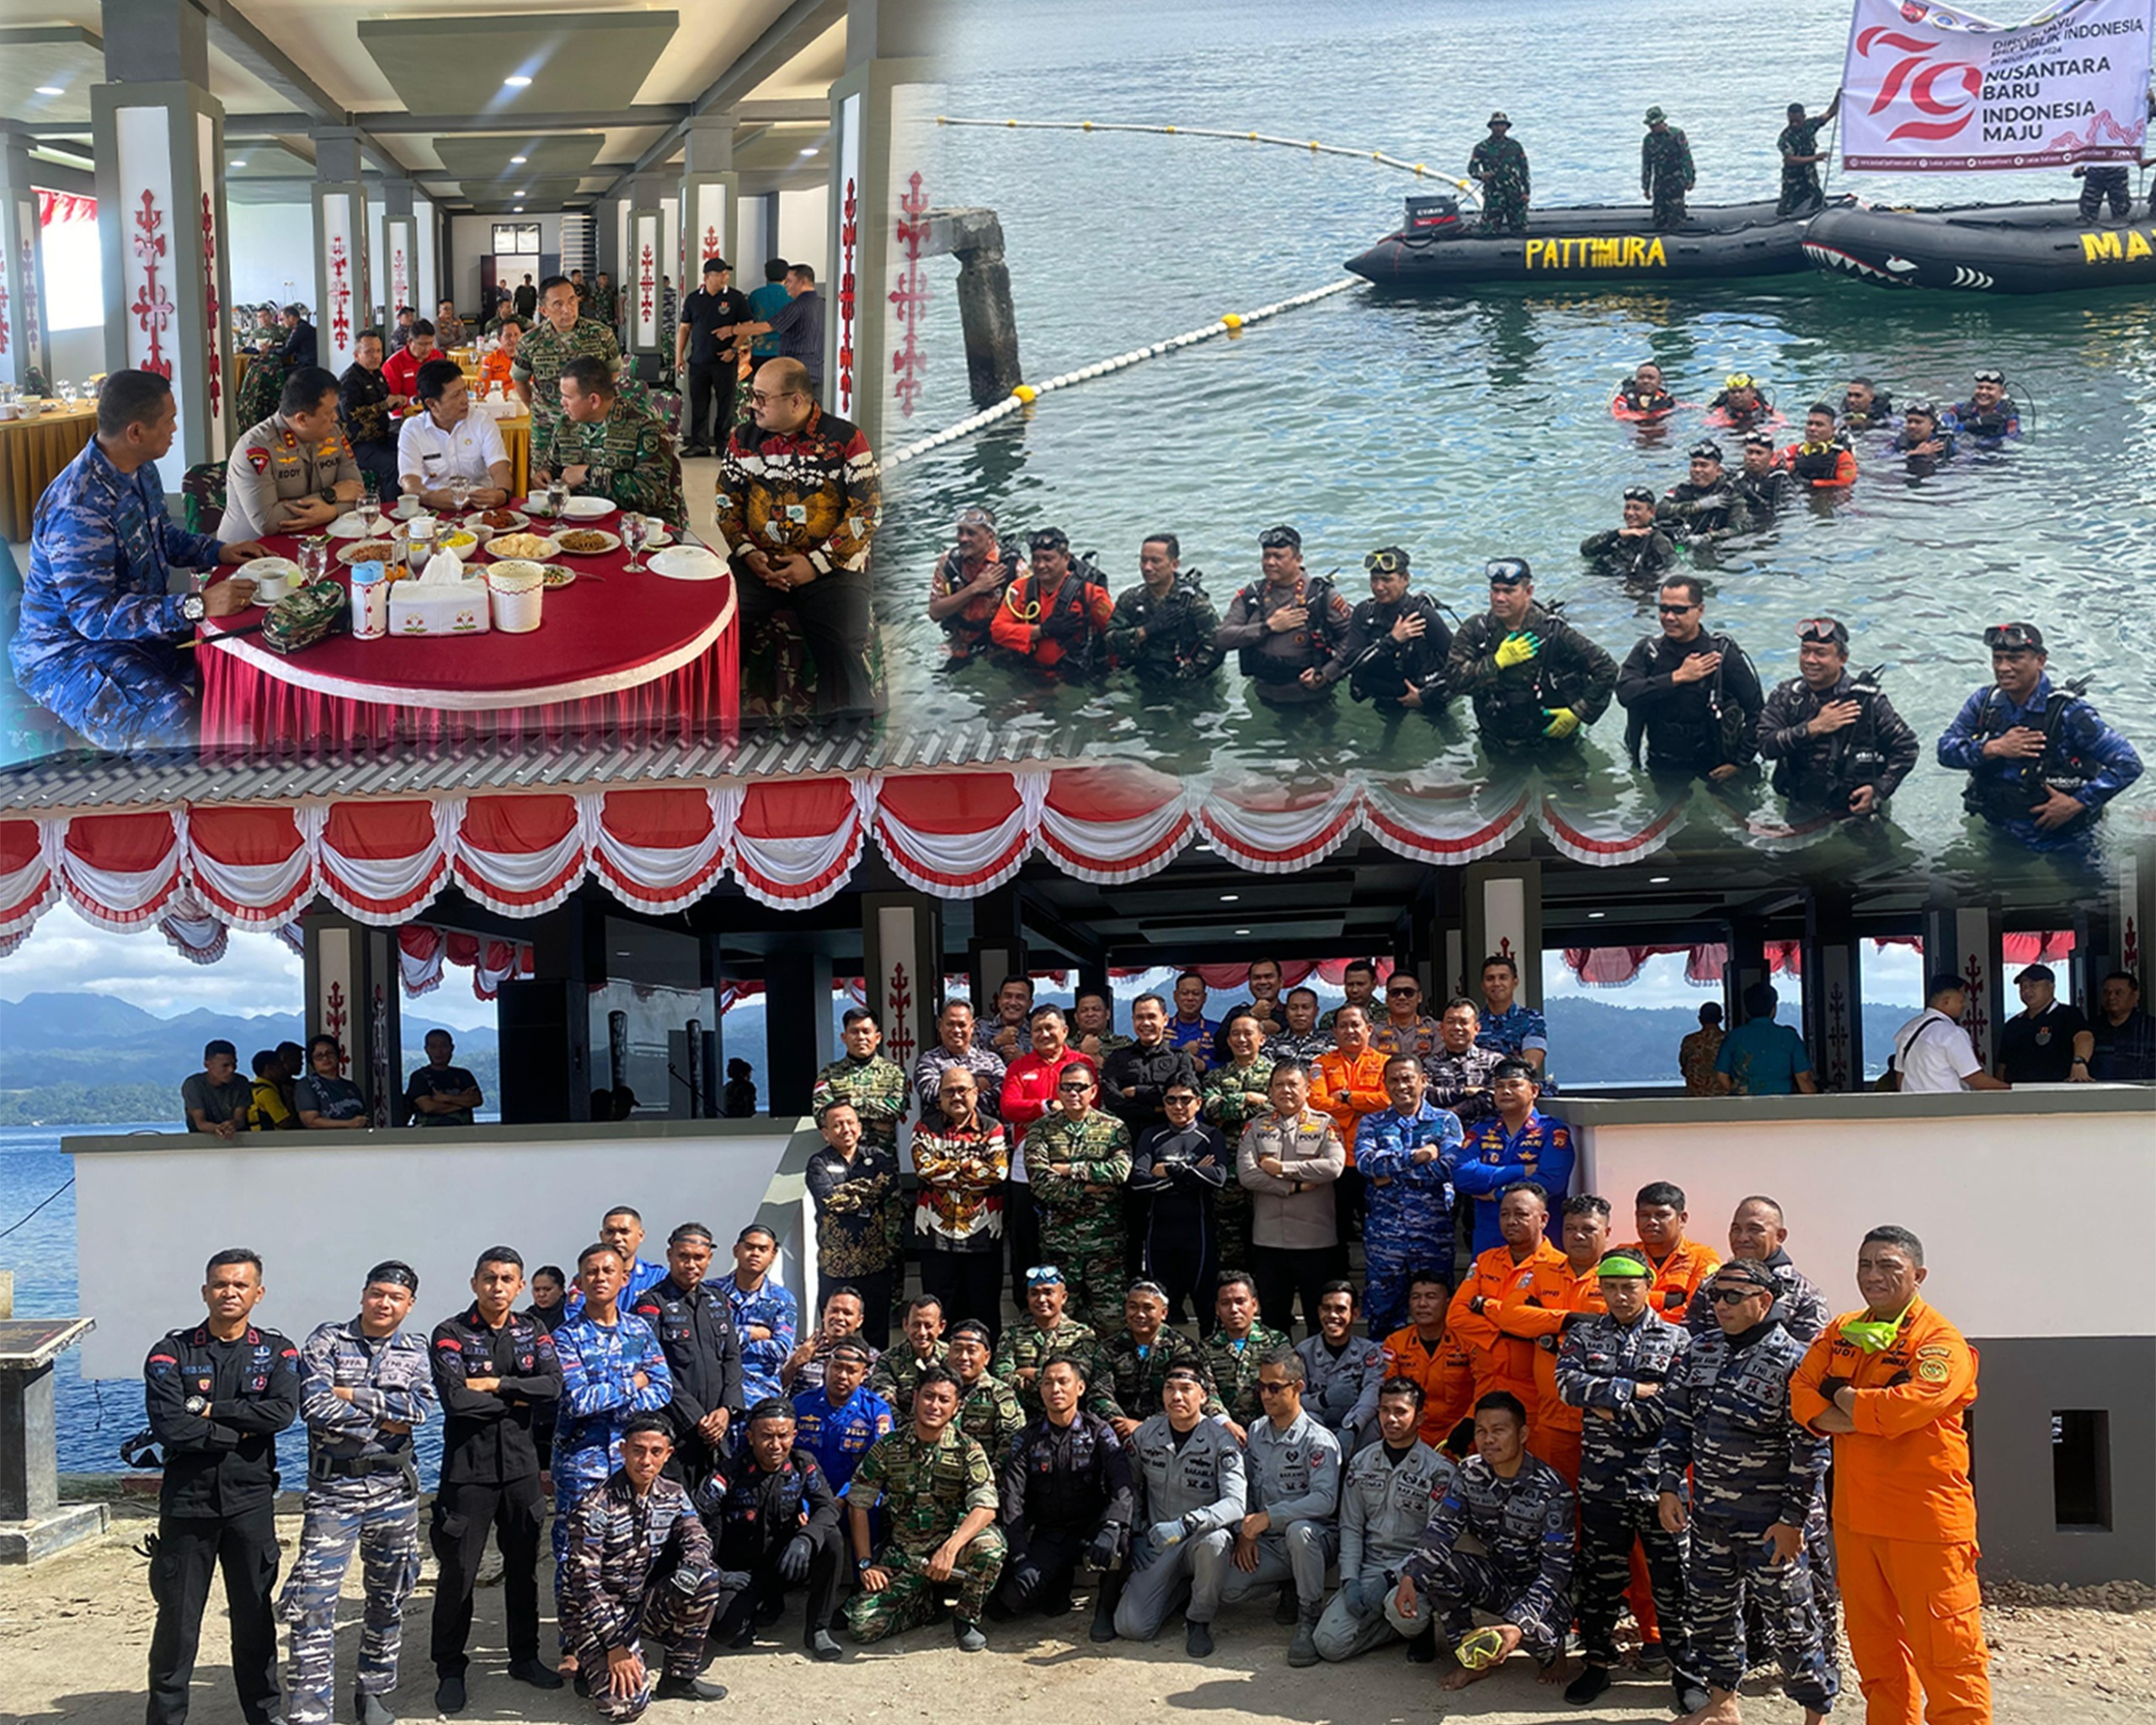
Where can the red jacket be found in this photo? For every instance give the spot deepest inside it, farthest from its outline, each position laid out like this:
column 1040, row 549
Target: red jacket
column 1029, row 1091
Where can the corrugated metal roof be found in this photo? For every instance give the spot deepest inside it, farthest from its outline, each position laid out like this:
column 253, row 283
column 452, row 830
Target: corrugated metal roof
column 61, row 783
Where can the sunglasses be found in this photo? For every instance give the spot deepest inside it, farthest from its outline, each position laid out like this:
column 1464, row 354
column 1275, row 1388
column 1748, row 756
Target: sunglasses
column 1385, row 563
column 1180, row 1099
column 1820, row 629
column 1267, row 1389
column 1735, row 1296
column 1675, row 609
column 765, row 398
column 1401, row 994
column 1076, row 1088
column 2013, row 638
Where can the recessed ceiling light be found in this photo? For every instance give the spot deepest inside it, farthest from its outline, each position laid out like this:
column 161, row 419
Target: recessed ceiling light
column 1230, row 898
column 516, row 81
column 1242, row 931
column 239, row 164
column 50, row 90
column 518, row 160
column 1596, row 915
column 1657, row 880
column 810, row 151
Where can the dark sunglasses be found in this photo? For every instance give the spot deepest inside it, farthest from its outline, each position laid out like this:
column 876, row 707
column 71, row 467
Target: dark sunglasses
column 1734, row 1296
column 1675, row 609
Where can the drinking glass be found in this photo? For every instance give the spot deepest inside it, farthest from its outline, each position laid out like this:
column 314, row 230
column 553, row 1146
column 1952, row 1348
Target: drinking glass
column 557, row 496
column 314, row 557
column 634, row 527
column 459, row 491
column 369, row 508
column 67, row 393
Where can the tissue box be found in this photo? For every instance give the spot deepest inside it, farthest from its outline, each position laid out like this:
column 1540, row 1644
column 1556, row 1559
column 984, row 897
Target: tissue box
column 447, row 608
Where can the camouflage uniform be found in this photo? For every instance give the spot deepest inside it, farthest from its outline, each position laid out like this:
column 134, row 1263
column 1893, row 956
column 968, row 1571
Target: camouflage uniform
column 362, row 1490
column 1025, row 1344
column 599, row 1393
column 769, row 1307
column 1665, row 174
column 1452, row 1076
column 1408, row 1223
column 929, row 1486
column 1223, row 1088
column 991, row 1417
column 897, row 1372
column 1384, row 1507
column 1500, row 163
column 637, row 1569
column 1525, row 1571
column 630, row 455
column 1127, row 1382
column 1082, row 1231
column 1800, row 188
column 1179, row 647
column 1233, row 1367
column 1199, row 1485
column 876, row 1088
column 539, row 357
column 1727, row 1424
column 1600, row 1363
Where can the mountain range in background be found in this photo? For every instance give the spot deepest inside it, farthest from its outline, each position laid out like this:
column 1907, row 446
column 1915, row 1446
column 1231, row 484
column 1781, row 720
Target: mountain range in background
column 89, row 1059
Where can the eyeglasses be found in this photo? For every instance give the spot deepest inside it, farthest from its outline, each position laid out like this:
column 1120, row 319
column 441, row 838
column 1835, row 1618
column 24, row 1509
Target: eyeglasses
column 1734, row 1296
column 765, row 398
column 1386, row 563
column 2012, row 637
column 1821, row 628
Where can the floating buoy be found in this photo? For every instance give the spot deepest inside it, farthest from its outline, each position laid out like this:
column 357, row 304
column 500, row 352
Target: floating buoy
column 1233, row 320
column 1025, row 391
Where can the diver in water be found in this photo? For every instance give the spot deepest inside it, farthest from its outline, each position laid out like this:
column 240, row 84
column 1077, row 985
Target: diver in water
column 1820, row 461
column 1762, row 484
column 1865, row 407
column 1989, row 418
column 1741, row 404
column 1638, row 553
column 1703, row 506
column 1923, row 437
column 1642, row 395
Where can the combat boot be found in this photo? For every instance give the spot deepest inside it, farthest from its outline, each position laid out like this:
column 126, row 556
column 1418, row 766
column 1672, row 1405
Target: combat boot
column 967, row 1633
column 371, row 1709
column 1111, row 1595
column 1285, row 1607
column 1302, row 1649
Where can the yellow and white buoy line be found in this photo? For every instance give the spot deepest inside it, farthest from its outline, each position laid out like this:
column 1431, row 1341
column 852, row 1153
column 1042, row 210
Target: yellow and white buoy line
column 1025, row 394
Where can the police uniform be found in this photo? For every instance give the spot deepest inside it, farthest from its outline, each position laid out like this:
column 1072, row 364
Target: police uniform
column 755, row 1518
column 771, row 1307
column 1878, row 749
column 2083, row 756
column 1492, row 1157
column 1082, row 1231
column 839, row 1437
column 1068, row 1497
column 1512, row 702
column 1292, row 1476
column 1191, row 1499
column 1408, row 1221
column 1386, row 1497
column 1026, row 1345
column 1666, row 172
column 1523, row 1573
column 271, row 467
column 860, row 1220
column 929, row 1486
column 1334, row 1384
column 1499, row 163
column 1231, row 1368
column 363, row 1490
column 599, row 1365
column 216, row 1407
column 490, row 1468
column 636, row 1568
column 541, row 355
column 1728, row 1425
column 1179, row 629
column 695, row 1327
column 1601, row 1364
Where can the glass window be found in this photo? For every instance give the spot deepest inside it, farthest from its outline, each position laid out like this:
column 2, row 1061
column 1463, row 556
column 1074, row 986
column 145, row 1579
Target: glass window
column 74, row 262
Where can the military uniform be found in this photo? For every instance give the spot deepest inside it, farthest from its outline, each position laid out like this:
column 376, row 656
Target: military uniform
column 1499, row 163
column 629, row 455
column 216, row 1505
column 96, row 643
column 839, row 1437
column 898, row 1372
column 1334, row 1384
column 860, row 1226
column 363, row 1490
column 1275, row 660
column 1385, row 1501
column 990, row 1414
column 1513, row 1031
column 1408, row 1222
column 1665, row 174
column 1068, row 1497
column 929, row 1486
column 1082, row 1231
column 1232, row 1367
column 1802, row 1308
column 1292, row 1477
column 1879, row 750
column 1026, row 1345
column 695, row 1327
column 599, row 1365
column 271, row 467
column 1601, row 1363
column 753, row 1517
column 1223, row 1088
column 541, row 355
column 1461, row 1081
column 1800, row 188
column 490, row 1469
column 1728, row 1425
column 2083, row 756
column 876, row 1088
column 636, row 1570
column 1178, row 645
column 1512, row 702
column 1525, row 1571
column 1194, row 1480
column 1128, row 1378
column 1491, row 1158
column 771, row 1307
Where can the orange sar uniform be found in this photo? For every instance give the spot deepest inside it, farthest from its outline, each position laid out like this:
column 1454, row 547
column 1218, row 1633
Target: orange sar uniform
column 495, row 367
column 1501, row 1362
column 1677, row 1278
column 1534, row 1310
column 1362, row 1078
column 1905, row 1516
column 1443, row 1371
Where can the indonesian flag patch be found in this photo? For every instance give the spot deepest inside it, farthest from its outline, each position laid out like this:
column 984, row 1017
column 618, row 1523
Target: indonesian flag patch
column 258, row 459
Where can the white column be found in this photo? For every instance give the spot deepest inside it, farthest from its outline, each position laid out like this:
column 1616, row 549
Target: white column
column 341, row 248
column 22, row 270
column 644, row 264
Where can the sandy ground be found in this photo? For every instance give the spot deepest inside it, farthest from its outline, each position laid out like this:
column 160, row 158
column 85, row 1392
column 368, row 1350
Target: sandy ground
column 75, row 1632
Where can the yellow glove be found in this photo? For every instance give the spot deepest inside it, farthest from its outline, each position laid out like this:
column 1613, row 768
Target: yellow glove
column 1563, row 722
column 1517, row 649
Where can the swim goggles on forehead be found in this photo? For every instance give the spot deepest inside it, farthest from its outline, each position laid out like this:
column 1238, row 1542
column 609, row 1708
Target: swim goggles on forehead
column 2012, row 637
column 1822, row 628
column 1989, row 377
column 1506, row 570
column 1389, row 561
column 1278, row 538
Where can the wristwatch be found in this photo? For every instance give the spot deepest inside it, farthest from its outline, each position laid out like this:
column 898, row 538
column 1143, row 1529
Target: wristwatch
column 192, row 609
column 327, row 493
column 196, row 1404
column 863, row 1565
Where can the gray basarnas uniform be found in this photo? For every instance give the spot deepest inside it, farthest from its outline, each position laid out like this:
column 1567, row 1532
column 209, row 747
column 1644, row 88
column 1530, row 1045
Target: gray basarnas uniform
column 1195, row 1479
column 1292, row 1477
column 1385, row 1503
column 1337, row 1383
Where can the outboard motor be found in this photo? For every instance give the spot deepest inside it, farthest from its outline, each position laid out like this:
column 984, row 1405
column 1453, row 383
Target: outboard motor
column 1434, row 216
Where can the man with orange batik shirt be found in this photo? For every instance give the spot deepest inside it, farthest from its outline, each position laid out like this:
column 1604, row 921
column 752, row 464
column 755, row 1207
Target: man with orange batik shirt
column 1890, row 1386
column 1503, row 1362
column 1422, row 1349
column 1540, row 1308
column 1679, row 1265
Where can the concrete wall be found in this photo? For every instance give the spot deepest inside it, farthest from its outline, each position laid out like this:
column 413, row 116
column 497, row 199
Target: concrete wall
column 323, row 1208
column 472, row 237
column 803, row 237
column 272, row 252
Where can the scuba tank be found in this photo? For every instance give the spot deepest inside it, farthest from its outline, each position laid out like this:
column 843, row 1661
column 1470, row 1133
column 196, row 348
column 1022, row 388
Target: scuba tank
column 1814, row 462
column 2058, row 768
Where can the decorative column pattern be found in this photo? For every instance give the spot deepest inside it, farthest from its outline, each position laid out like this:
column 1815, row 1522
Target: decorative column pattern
column 841, row 326
column 340, row 228
column 22, row 283
column 217, row 336
column 1504, row 915
column 1965, row 940
column 645, row 264
column 902, row 949
column 427, row 227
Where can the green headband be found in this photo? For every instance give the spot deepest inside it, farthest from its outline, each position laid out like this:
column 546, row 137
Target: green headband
column 1623, row 1263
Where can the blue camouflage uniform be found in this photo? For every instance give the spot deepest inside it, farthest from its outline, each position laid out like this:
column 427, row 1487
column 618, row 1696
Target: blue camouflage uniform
column 1407, row 1224
column 1600, row 1367
column 1337, row 1383
column 1491, row 1159
column 769, row 1307
column 600, row 1363
column 644, row 1275
column 2083, row 756
column 1726, row 1421
column 1524, row 1573
column 1513, row 1031
column 839, row 1437
column 97, row 643
column 363, row 1490
column 1385, row 1501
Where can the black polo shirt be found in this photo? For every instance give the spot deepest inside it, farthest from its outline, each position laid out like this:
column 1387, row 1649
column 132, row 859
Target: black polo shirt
column 705, row 312
column 2040, row 1050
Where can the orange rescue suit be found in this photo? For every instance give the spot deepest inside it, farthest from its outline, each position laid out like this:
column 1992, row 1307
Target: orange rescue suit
column 1677, row 1278
column 1362, row 1078
column 1534, row 1310
column 1502, row 1362
column 1443, row 1371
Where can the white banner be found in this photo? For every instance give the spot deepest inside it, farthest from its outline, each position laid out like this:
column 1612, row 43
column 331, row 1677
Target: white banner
column 1935, row 91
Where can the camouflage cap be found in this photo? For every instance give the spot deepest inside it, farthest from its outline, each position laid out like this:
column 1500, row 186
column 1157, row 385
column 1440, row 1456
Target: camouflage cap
column 1654, row 115
column 1499, row 119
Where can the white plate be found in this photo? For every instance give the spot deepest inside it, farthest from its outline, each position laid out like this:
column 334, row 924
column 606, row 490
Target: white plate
column 613, row 543
column 518, row 522
column 347, row 527
column 264, row 568
column 687, row 563
column 661, row 535
column 346, row 556
column 406, row 508
column 587, row 508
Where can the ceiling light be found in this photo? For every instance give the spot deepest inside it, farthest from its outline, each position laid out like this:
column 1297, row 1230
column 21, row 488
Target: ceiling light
column 516, row 81
column 239, row 164
column 1657, row 880
column 50, row 90
column 1596, row 915
column 518, row 160
column 1230, row 898
column 1242, row 931
column 809, row 151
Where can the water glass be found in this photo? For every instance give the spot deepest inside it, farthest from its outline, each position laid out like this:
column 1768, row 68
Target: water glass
column 634, row 527
column 314, row 557
column 557, row 497
column 369, row 509
column 459, row 491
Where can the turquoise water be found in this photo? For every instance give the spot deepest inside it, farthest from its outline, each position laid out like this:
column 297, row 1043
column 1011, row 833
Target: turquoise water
column 1468, row 427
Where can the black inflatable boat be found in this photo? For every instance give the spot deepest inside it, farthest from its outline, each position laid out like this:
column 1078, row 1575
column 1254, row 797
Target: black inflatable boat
column 1439, row 248
column 1983, row 249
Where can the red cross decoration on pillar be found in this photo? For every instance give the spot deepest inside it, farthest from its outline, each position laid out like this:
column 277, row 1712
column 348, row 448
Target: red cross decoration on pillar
column 646, row 280
column 153, row 307
column 899, row 1015
column 340, row 291
column 30, row 291
column 849, row 245
column 210, row 300
column 909, row 298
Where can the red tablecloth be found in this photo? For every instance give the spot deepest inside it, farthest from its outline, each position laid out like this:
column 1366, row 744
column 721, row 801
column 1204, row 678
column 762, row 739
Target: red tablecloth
column 618, row 654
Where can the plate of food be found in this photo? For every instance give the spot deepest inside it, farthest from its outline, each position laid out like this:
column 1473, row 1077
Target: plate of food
column 559, row 574
column 534, row 548
column 587, row 541
column 687, row 563
column 366, row 551
column 503, row 520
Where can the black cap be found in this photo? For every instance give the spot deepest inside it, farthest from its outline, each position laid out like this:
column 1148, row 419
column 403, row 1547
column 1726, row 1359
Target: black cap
column 712, row 264
column 2036, row 973
column 1273, row 537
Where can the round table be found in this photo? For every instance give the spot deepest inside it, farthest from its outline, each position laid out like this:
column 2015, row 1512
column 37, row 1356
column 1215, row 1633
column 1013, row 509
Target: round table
column 632, row 657
column 33, row 452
